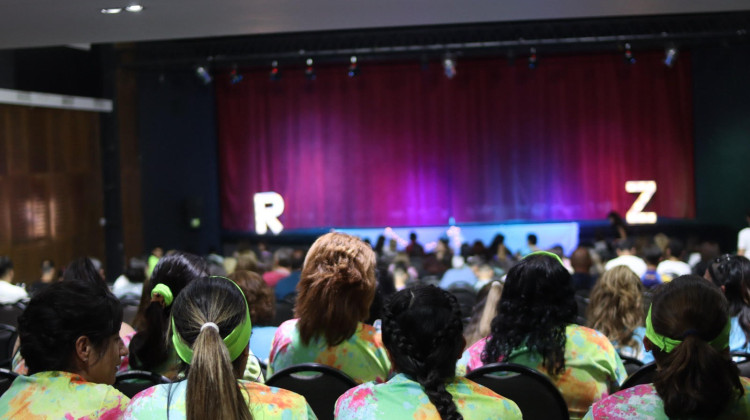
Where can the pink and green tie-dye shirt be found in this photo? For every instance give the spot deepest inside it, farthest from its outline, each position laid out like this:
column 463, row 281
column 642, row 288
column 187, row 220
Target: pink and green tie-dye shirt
column 61, row 395
column 402, row 398
column 592, row 367
column 362, row 356
column 265, row 403
column 642, row 402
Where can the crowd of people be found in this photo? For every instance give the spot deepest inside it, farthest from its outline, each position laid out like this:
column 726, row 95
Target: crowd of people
column 406, row 325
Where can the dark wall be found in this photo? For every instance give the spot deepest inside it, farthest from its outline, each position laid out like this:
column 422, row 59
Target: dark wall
column 61, row 70
column 177, row 140
column 7, row 65
column 721, row 81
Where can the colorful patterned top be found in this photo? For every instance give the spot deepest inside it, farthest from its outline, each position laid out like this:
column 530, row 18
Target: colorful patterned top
column 58, row 395
column 362, row 356
column 403, row 398
column 737, row 340
column 264, row 402
column 592, row 367
column 642, row 402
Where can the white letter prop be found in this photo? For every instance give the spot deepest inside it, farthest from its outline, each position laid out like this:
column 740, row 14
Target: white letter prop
column 268, row 207
column 636, row 215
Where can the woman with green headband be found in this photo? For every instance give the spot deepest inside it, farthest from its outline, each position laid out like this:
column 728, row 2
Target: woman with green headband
column 535, row 326
column 687, row 328
column 210, row 331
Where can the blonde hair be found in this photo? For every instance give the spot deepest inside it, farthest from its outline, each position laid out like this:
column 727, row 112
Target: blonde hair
column 212, row 390
column 336, row 288
column 616, row 306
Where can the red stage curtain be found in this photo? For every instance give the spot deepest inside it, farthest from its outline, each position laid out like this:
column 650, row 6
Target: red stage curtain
column 401, row 145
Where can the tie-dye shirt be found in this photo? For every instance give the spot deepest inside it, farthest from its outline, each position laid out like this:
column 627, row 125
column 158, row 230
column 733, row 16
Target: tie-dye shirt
column 362, row 356
column 265, row 402
column 403, row 398
column 592, row 367
column 642, row 402
column 61, row 395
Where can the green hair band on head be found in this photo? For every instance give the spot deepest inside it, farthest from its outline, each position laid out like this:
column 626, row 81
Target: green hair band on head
column 667, row 344
column 236, row 341
column 547, row 253
column 164, row 291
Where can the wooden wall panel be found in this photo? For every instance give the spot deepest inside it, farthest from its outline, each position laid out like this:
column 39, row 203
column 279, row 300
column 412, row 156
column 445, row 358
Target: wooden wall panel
column 130, row 165
column 50, row 187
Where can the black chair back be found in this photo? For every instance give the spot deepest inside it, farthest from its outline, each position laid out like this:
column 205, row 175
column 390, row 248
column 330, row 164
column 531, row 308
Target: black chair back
column 743, row 362
column 321, row 385
column 582, row 302
column 466, row 297
column 632, row 364
column 6, row 378
column 135, row 381
column 534, row 393
column 8, row 336
column 9, row 313
column 644, row 375
column 284, row 309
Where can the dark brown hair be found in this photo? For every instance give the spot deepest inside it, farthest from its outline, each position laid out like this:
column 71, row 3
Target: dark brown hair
column 694, row 379
column 260, row 297
column 336, row 288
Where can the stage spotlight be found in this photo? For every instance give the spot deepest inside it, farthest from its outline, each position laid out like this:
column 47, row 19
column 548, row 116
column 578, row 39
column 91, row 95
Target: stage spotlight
column 449, row 66
column 310, row 71
column 275, row 73
column 203, row 75
column 353, row 66
column 533, row 61
column 629, row 54
column 234, row 77
column 670, row 56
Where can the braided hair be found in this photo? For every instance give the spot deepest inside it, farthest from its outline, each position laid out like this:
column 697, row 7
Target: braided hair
column 422, row 331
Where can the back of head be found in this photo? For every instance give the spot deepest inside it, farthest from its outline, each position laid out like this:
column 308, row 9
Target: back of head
column 652, row 254
column 580, row 260
column 61, row 313
column 625, row 245
column 171, row 275
column 336, row 288
column 616, row 306
column 688, row 327
column 675, row 248
column 211, row 331
column 283, row 257
column 6, row 265
column 260, row 297
column 531, row 239
column 536, row 305
column 83, row 269
column 422, row 331
column 732, row 273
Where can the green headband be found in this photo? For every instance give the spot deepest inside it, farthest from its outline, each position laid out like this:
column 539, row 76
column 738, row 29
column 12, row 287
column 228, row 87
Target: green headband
column 667, row 344
column 164, row 291
column 547, row 253
column 236, row 341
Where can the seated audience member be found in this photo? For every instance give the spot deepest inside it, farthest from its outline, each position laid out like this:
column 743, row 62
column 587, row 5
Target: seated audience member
column 687, row 329
column 501, row 257
column 485, row 275
column 288, row 284
column 626, row 256
column 460, row 273
column 531, row 241
column 483, row 313
column 282, row 266
column 652, row 256
column 334, row 297
column 581, row 262
column 211, row 329
column 616, row 310
column 743, row 238
column 732, row 274
column 69, row 340
column 9, row 293
column 414, row 249
column 708, row 251
column 535, row 327
column 672, row 266
column 262, row 306
column 148, row 348
column 422, row 332
column 49, row 276
column 437, row 262
column 130, row 283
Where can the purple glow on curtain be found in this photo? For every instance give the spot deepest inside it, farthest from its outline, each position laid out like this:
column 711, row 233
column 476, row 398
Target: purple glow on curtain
column 402, row 146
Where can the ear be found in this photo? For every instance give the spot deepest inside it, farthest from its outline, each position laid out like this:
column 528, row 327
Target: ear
column 84, row 349
column 647, row 344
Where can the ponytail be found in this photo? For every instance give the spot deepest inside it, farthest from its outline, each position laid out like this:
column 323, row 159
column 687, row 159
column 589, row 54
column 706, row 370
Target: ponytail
column 149, row 346
column 212, row 390
column 708, row 379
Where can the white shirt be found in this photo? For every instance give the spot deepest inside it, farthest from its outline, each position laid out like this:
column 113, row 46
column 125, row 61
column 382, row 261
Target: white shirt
column 123, row 287
column 10, row 293
column 631, row 261
column 673, row 269
column 743, row 241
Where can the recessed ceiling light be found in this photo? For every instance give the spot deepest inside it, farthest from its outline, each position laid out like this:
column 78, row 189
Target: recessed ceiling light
column 134, row 8
column 112, row 10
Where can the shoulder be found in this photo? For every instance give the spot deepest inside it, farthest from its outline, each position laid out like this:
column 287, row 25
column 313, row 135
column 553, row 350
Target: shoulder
column 356, row 401
column 471, row 396
column 640, row 401
column 287, row 327
column 580, row 335
column 272, row 401
column 147, row 400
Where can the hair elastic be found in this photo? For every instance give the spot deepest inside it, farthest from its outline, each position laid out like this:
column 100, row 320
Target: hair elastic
column 666, row 344
column 210, row 325
column 164, row 291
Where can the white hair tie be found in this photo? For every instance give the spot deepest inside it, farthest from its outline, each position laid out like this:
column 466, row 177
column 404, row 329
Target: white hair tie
column 209, row 325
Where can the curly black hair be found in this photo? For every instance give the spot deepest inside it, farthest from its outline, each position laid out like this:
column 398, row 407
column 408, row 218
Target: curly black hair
column 422, row 330
column 537, row 304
